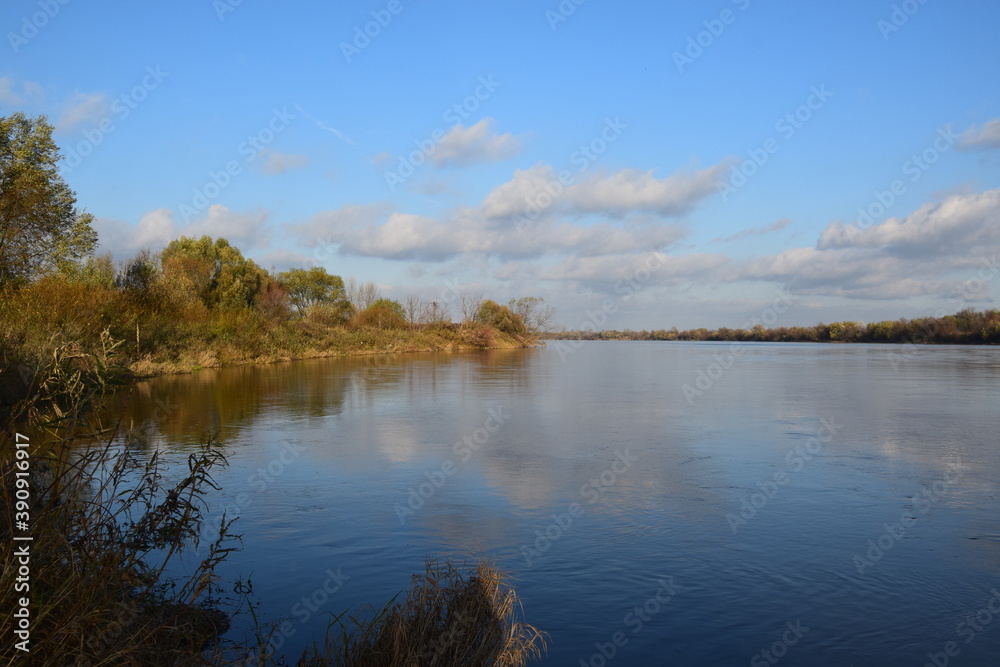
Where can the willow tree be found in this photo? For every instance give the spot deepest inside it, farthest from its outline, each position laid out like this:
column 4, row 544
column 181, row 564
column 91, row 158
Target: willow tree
column 213, row 271
column 41, row 229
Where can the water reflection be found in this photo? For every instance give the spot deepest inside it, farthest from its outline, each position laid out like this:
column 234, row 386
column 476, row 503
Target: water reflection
column 372, row 463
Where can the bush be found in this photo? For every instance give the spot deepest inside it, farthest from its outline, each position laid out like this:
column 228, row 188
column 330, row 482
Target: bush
column 379, row 317
column 501, row 318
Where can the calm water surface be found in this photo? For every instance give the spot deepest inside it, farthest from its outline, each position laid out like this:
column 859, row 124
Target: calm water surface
column 848, row 492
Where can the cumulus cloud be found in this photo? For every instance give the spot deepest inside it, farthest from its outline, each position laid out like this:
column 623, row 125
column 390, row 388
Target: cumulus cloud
column 538, row 191
column 279, row 163
column 84, row 109
column 982, row 138
column 157, row 228
column 932, row 251
column 244, row 230
column 955, row 225
column 374, row 231
column 463, row 146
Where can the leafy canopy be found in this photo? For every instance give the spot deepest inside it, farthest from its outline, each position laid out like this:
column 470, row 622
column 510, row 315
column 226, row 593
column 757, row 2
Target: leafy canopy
column 40, row 227
column 213, row 271
column 311, row 287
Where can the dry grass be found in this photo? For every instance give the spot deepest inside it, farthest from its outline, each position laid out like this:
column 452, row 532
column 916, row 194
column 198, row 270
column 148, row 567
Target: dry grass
column 104, row 524
column 451, row 616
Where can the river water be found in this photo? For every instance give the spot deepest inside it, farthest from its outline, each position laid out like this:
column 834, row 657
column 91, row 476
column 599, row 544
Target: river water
column 653, row 503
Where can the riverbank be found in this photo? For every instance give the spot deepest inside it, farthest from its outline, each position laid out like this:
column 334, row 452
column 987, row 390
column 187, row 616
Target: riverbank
column 145, row 335
column 966, row 327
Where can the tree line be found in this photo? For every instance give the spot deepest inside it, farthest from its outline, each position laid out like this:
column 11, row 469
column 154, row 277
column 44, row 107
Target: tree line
column 966, row 327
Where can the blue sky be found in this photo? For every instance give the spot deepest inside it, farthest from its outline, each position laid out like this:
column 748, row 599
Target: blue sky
column 637, row 164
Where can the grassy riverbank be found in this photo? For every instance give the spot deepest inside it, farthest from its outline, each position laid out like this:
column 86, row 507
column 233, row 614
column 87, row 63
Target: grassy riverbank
column 155, row 332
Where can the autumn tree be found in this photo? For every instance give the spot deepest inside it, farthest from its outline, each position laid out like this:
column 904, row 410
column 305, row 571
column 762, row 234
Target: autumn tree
column 500, row 318
column 312, row 287
column 41, row 229
column 213, row 271
column 536, row 316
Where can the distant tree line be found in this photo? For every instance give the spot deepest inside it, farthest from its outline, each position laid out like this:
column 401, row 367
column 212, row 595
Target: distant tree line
column 966, row 327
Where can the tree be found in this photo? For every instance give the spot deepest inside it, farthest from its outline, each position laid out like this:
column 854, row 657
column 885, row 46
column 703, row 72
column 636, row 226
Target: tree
column 138, row 274
column 469, row 304
column 40, row 227
column 500, row 318
column 361, row 295
column 536, row 317
column 307, row 288
column 381, row 314
column 436, row 313
column 414, row 307
column 214, row 271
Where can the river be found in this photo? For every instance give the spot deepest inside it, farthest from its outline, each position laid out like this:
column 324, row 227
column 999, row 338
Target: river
column 652, row 502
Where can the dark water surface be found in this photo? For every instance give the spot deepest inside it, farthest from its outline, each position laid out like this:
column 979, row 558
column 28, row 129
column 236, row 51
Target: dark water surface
column 830, row 504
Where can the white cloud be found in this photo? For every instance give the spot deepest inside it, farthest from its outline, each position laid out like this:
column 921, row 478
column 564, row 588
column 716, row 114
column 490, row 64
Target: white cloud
column 157, row 228
column 537, row 192
column 633, row 190
column 84, row 109
column 463, row 146
column 381, row 232
column 985, row 137
column 932, row 251
column 644, row 268
column 955, row 225
column 279, row 163
column 244, row 230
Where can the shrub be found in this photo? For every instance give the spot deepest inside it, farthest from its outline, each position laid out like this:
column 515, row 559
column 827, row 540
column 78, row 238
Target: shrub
column 501, row 318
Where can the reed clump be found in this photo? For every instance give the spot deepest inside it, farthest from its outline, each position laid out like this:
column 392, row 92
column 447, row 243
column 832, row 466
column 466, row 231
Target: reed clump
column 451, row 615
